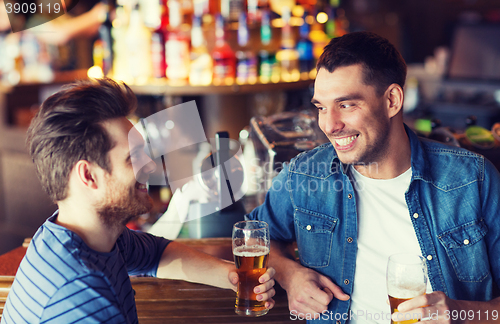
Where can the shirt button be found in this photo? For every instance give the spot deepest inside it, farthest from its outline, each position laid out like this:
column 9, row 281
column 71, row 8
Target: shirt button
column 349, row 240
column 308, row 227
column 415, row 215
column 349, row 196
column 466, row 241
column 429, row 257
column 346, row 281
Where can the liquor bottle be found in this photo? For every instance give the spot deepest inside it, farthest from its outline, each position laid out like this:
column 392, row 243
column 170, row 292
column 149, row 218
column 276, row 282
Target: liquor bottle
column 246, row 66
column 177, row 46
column 223, row 56
column 253, row 11
column 106, row 42
column 305, row 49
column 120, row 50
column 138, row 39
column 330, row 25
column 266, row 57
column 200, row 70
column 319, row 38
column 158, row 39
column 98, row 56
column 231, row 9
column 151, row 12
column 288, row 56
column 265, row 28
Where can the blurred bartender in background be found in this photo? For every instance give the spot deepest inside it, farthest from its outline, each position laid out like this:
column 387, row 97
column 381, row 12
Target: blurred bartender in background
column 59, row 30
column 66, row 27
column 78, row 263
column 44, row 42
column 376, row 190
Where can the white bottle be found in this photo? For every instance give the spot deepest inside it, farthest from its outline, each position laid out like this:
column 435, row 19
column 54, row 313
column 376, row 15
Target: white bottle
column 138, row 39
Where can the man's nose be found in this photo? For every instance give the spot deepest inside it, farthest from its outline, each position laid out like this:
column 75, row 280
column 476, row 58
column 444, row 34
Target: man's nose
column 332, row 122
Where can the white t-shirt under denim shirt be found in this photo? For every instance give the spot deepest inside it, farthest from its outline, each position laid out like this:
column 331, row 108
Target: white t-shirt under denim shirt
column 384, row 228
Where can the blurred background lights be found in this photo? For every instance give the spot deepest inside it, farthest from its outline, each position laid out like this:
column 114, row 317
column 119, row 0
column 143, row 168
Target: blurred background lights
column 95, row 72
column 298, row 11
column 322, row 17
column 152, row 131
column 244, row 134
column 169, row 124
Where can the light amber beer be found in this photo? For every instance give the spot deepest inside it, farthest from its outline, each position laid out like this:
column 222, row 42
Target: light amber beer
column 251, row 262
column 406, row 279
column 394, row 309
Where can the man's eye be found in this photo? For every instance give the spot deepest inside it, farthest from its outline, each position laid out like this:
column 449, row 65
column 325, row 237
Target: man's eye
column 346, row 106
column 320, row 108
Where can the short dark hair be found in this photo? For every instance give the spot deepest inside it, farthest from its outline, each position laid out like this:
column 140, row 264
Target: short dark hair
column 382, row 64
column 68, row 128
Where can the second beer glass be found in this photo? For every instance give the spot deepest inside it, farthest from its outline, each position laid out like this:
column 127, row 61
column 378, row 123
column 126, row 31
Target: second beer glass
column 406, row 279
column 251, row 253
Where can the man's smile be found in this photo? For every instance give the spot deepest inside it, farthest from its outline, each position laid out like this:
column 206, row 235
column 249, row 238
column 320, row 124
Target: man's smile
column 345, row 142
column 141, row 187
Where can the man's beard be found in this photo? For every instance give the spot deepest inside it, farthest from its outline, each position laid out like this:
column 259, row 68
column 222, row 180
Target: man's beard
column 122, row 205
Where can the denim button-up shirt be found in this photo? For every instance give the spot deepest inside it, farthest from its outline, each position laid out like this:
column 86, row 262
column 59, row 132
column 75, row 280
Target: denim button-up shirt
column 453, row 203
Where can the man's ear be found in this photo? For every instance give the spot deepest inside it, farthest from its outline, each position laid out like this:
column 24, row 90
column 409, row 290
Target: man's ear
column 86, row 174
column 395, row 97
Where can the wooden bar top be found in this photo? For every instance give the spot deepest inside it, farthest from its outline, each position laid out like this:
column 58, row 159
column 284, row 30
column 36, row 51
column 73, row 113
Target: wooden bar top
column 174, row 301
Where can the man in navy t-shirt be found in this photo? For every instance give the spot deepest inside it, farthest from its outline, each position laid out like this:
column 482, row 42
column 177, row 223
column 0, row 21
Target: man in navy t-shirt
column 77, row 266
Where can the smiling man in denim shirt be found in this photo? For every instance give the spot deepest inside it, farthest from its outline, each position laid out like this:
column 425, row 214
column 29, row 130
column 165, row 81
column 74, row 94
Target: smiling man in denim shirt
column 376, row 190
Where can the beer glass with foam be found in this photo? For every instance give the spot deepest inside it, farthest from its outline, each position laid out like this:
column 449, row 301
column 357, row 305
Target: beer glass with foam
column 251, row 253
column 406, row 279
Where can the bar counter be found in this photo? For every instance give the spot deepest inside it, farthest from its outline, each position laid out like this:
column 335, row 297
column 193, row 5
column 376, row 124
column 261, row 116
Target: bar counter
column 174, row 301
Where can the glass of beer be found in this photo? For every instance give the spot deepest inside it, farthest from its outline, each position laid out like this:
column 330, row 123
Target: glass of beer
column 406, row 279
column 251, row 253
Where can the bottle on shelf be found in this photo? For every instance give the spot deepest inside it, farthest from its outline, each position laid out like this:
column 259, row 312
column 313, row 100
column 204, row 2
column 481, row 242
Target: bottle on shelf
column 341, row 23
column 106, row 42
column 98, row 58
column 305, row 49
column 158, row 39
column 288, row 56
column 337, row 23
column 201, row 67
column 330, row 25
column 177, row 46
column 318, row 36
column 246, row 66
column 224, row 59
column 253, row 11
column 138, row 39
column 10, row 59
column 35, row 59
column 118, row 33
column 266, row 56
column 231, row 9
